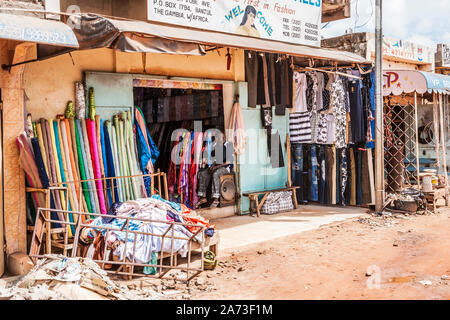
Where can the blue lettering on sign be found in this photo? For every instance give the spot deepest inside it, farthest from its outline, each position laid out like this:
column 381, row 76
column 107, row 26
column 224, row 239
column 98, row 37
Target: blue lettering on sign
column 263, row 21
column 310, row 2
column 233, row 13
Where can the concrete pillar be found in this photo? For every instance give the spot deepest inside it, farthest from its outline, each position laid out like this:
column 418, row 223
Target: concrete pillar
column 14, row 204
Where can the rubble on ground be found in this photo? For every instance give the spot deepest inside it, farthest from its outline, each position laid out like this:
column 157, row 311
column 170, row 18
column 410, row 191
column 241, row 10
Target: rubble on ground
column 56, row 277
column 386, row 219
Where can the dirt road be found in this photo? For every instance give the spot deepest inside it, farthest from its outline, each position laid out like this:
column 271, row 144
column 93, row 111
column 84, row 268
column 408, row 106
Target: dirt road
column 405, row 257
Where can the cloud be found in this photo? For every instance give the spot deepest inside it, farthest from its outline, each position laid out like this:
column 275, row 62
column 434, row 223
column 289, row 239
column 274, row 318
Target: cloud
column 421, row 22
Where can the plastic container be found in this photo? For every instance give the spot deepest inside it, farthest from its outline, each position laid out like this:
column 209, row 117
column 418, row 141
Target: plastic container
column 427, row 184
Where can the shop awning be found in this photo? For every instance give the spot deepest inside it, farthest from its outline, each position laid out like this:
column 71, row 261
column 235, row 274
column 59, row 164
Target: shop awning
column 397, row 82
column 141, row 36
column 51, row 36
column 94, row 31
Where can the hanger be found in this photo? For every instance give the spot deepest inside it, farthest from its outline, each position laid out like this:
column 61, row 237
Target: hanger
column 334, row 72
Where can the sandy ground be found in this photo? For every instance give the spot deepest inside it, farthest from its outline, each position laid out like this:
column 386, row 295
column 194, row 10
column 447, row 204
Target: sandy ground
column 399, row 257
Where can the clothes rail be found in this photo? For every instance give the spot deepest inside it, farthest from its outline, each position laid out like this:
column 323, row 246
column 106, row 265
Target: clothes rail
column 331, row 72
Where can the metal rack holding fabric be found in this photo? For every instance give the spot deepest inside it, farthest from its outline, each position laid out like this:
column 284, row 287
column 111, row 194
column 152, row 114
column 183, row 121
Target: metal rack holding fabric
column 194, row 240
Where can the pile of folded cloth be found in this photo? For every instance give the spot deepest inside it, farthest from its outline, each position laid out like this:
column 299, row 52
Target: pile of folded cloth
column 157, row 216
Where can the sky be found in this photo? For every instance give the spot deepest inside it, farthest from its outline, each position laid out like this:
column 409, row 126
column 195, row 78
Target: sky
column 422, row 22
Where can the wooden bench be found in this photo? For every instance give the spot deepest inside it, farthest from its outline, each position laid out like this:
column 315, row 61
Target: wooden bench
column 256, row 204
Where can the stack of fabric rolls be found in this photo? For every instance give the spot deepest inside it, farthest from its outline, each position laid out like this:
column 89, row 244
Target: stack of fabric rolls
column 66, row 150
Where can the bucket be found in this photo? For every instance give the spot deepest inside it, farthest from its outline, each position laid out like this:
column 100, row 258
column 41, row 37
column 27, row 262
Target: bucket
column 427, row 185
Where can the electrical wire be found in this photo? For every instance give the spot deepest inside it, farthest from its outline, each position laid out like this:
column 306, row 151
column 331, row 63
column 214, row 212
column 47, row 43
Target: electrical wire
column 368, row 20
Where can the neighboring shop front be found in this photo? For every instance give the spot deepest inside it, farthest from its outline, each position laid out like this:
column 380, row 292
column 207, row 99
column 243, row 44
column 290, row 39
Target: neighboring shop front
column 411, row 106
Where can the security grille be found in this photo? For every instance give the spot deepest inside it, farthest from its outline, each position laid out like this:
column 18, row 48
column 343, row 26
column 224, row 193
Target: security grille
column 400, row 145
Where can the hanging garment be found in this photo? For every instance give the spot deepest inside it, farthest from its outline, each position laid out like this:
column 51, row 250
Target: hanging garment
column 343, row 175
column 271, row 74
column 300, row 127
column 266, row 119
column 339, row 112
column 319, row 87
column 372, row 134
column 300, row 92
column 356, row 112
column 354, row 177
column 322, row 173
column 214, row 103
column 314, row 107
column 160, row 109
column 280, row 110
column 178, row 108
column 235, row 131
column 314, row 188
column 359, row 173
column 261, row 98
column 172, row 109
column 166, row 109
column 148, row 152
column 267, row 86
column 325, row 93
column 307, row 167
column 333, row 176
column 371, row 176
column 297, row 169
column 203, row 106
column 194, row 167
column 322, row 128
column 251, row 77
column 283, row 80
column 365, row 179
column 276, row 151
column 310, row 92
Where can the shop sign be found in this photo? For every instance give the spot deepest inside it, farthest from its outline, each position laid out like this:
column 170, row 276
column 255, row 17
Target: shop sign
column 23, row 28
column 444, row 51
column 407, row 50
column 294, row 21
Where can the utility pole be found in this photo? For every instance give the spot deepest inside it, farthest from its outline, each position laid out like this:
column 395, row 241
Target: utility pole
column 379, row 135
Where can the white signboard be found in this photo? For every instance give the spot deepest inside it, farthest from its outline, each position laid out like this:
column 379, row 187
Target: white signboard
column 406, row 50
column 444, row 51
column 294, row 21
